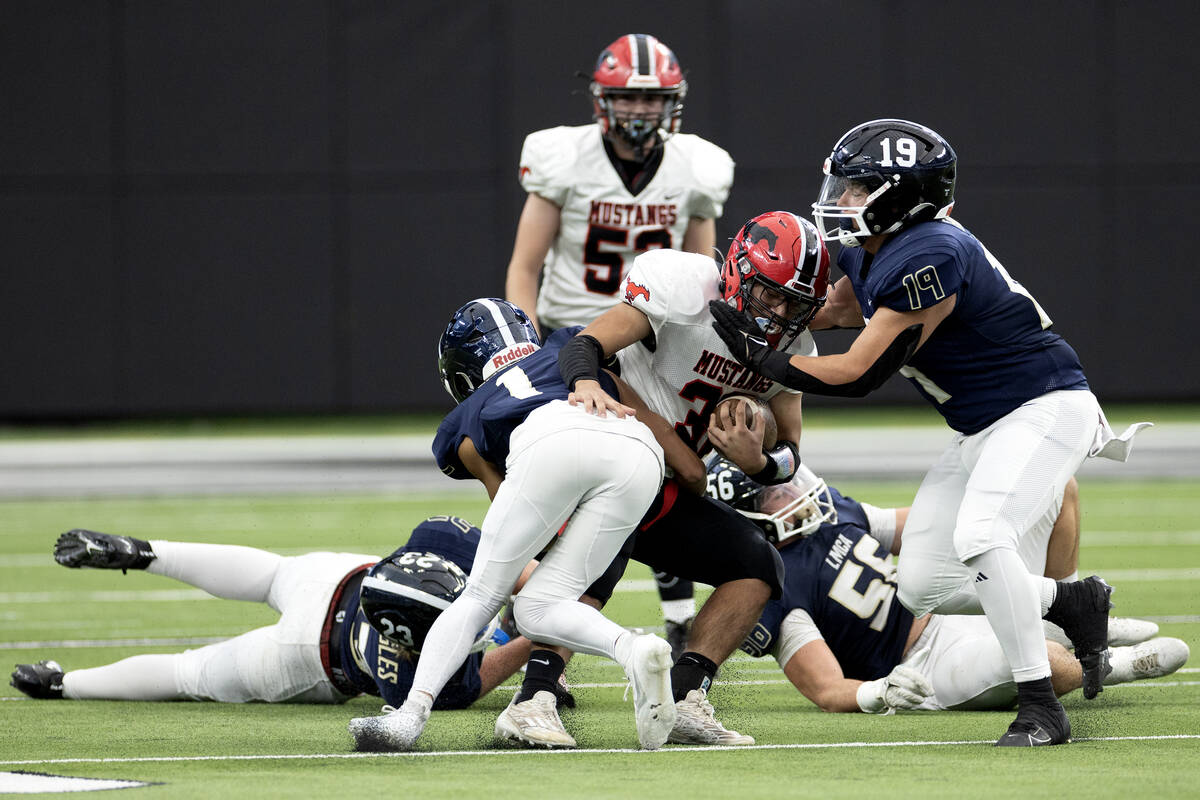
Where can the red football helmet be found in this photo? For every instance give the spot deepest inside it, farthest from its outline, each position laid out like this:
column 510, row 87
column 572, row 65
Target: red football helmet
column 637, row 65
column 782, row 256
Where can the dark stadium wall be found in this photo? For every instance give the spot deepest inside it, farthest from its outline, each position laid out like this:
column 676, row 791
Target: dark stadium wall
column 273, row 206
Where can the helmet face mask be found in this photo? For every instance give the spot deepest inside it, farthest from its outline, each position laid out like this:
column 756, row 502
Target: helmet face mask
column 483, row 336
column 777, row 259
column 638, row 67
column 883, row 176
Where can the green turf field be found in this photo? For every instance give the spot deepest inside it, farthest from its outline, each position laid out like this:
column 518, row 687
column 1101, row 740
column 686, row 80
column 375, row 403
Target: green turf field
column 1135, row 739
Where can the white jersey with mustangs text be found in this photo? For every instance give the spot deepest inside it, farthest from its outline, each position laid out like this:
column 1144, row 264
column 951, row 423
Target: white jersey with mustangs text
column 690, row 368
column 603, row 227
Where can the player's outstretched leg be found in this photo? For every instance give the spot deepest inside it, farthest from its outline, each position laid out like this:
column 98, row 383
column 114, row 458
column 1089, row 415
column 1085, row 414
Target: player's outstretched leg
column 1080, row 608
column 1041, row 719
column 534, row 722
column 41, row 681
column 84, row 548
column 1151, row 659
column 396, row 729
column 647, row 662
column 1122, row 632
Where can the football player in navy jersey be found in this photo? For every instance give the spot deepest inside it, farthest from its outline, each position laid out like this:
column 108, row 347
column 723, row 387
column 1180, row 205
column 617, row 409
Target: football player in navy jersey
column 844, row 642
column 326, row 646
column 980, row 349
column 544, row 463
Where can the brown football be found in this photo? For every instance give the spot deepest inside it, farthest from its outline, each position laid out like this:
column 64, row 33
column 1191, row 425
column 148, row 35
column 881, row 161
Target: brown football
column 754, row 412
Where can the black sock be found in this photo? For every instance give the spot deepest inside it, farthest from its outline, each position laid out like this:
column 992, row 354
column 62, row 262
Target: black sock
column 691, row 671
column 1063, row 596
column 541, row 674
column 1036, row 692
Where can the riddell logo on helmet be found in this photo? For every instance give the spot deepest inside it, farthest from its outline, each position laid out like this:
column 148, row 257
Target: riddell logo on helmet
column 511, row 354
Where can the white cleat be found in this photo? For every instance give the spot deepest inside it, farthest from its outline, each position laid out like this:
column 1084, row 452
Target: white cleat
column 1151, row 659
column 534, row 722
column 1122, row 632
column 395, row 730
column 696, row 723
column 648, row 667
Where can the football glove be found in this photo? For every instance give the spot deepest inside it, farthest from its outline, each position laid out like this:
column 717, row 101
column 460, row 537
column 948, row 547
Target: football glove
column 903, row 687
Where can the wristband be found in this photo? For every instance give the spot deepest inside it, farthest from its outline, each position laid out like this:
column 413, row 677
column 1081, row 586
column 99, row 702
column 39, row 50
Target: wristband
column 579, row 360
column 782, row 461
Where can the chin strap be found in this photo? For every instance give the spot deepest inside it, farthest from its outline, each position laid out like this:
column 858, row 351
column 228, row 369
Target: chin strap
column 744, row 338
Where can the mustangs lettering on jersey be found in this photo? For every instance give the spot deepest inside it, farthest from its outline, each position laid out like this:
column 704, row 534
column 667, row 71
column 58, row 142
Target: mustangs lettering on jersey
column 603, row 226
column 685, row 368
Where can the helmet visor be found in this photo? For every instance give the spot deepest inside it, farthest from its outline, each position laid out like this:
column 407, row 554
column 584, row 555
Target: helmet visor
column 840, row 207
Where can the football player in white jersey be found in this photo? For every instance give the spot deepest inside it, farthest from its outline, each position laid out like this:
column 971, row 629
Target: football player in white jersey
column 600, row 194
column 777, row 268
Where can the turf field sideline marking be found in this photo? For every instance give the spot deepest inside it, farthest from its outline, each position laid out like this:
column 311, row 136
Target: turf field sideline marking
column 519, row 752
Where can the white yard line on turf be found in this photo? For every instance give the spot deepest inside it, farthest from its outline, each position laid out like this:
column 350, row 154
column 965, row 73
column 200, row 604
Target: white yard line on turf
column 581, row 751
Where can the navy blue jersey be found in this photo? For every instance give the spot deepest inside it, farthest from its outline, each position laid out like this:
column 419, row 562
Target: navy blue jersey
column 376, row 666
column 845, row 581
column 491, row 413
column 994, row 352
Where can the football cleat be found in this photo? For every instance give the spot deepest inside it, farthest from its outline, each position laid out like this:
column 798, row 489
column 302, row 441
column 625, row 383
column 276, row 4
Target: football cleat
column 1122, row 632
column 41, row 681
column 696, row 723
column 396, row 729
column 84, row 548
column 1081, row 610
column 1037, row 725
column 1151, row 659
column 647, row 663
column 533, row 722
column 677, row 637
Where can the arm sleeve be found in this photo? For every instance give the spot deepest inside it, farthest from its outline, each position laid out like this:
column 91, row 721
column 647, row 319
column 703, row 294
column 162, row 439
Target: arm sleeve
column 796, row 630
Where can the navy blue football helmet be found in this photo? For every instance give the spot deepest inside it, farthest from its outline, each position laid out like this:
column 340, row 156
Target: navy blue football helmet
column 482, row 337
column 883, row 176
column 795, row 508
column 402, row 595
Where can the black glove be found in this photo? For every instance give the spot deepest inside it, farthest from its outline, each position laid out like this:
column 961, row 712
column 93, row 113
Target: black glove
column 745, row 340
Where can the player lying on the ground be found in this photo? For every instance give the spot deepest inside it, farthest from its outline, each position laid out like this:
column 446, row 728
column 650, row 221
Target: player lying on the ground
column 847, row 645
column 324, row 649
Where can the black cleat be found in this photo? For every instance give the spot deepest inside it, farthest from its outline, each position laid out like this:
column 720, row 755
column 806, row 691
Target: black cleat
column 41, row 681
column 1037, row 725
column 83, row 548
column 677, row 637
column 1081, row 610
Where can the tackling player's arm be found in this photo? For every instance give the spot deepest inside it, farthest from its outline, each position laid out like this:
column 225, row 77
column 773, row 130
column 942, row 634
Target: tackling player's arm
column 700, row 236
column 580, row 358
column 487, row 472
column 883, row 347
column 815, row 671
column 536, row 230
column 841, row 309
column 688, row 468
column 501, row 663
